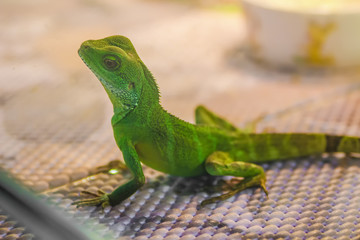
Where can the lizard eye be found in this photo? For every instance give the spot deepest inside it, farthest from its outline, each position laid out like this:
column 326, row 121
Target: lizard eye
column 111, row 62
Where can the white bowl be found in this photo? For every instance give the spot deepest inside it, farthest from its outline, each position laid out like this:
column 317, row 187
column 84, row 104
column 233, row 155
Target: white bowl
column 288, row 33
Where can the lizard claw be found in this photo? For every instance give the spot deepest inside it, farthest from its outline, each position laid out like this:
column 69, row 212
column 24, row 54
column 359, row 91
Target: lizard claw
column 99, row 198
column 263, row 187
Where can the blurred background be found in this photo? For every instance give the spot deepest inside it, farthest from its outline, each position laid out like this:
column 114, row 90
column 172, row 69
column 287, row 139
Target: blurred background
column 195, row 49
column 292, row 67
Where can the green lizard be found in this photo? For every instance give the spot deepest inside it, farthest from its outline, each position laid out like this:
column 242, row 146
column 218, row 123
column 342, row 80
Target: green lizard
column 146, row 133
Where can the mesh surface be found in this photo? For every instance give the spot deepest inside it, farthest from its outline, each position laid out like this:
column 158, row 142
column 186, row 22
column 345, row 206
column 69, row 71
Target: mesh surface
column 55, row 123
column 315, row 197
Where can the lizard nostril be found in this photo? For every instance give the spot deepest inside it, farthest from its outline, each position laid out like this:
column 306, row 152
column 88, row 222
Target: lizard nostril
column 85, row 45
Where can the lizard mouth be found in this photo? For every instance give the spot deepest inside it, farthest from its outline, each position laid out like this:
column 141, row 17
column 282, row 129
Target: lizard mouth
column 82, row 55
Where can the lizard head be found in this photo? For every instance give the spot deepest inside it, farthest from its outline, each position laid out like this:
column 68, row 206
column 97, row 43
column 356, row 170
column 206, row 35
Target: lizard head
column 116, row 64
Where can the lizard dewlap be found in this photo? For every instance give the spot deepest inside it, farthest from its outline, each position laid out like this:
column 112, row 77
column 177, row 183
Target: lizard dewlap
column 146, row 133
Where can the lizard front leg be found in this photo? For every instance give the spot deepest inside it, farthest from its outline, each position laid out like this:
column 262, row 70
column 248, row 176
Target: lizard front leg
column 124, row 191
column 222, row 164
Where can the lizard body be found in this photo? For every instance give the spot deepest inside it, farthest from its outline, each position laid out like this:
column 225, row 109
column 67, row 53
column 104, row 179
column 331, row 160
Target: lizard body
column 146, row 133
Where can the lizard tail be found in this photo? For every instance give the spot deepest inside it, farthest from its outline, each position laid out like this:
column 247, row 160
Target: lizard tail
column 344, row 144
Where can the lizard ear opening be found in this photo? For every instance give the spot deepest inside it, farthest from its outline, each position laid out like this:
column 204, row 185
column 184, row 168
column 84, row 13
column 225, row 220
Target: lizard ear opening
column 131, row 85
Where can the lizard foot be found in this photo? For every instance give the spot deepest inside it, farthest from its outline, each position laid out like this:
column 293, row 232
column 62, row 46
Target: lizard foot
column 225, row 185
column 99, row 198
column 113, row 167
column 257, row 181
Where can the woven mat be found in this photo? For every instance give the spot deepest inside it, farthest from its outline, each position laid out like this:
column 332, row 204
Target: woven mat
column 317, row 197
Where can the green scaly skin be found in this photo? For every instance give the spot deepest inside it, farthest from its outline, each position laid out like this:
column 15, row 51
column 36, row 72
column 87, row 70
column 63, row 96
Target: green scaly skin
column 146, row 133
